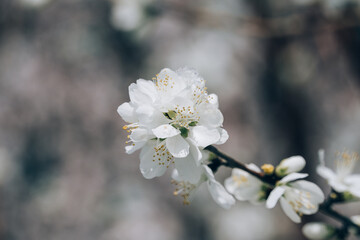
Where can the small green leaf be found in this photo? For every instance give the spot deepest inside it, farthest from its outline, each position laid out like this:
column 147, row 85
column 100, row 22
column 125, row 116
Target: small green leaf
column 184, row 132
column 281, row 171
column 167, row 116
column 172, row 114
column 193, row 124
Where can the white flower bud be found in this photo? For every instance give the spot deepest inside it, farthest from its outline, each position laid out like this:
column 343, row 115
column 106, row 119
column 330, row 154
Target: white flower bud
column 356, row 219
column 317, row 230
column 290, row 165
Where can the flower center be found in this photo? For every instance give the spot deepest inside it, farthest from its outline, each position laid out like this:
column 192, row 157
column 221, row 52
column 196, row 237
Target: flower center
column 183, row 117
column 239, row 180
column 162, row 156
column 183, row 189
column 299, row 199
column 163, row 83
column 345, row 163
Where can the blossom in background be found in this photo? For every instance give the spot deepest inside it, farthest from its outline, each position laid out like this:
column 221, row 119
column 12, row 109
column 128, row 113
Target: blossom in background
column 355, row 219
column 171, row 118
column 128, row 15
column 246, row 187
column 296, row 196
column 318, row 231
column 34, row 3
column 186, row 187
column 342, row 180
column 290, row 165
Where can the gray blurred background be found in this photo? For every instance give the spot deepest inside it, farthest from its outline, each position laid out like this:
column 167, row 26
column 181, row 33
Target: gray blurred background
column 287, row 73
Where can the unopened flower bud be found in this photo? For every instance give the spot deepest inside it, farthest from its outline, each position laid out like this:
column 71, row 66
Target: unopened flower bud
column 290, row 165
column 355, row 219
column 268, row 169
column 318, row 231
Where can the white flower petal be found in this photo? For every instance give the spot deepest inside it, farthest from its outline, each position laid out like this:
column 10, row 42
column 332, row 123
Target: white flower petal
column 338, row 185
column 290, row 165
column 139, row 135
column 253, row 167
column 326, row 172
column 289, row 211
column 243, row 186
column 145, row 114
column 127, row 112
column 214, row 100
column 317, row 231
column 148, row 88
column 165, row 131
column 176, row 176
column 195, row 152
column 321, row 154
column 191, row 76
column 220, row 195
column 188, row 170
column 204, row 136
column 352, row 179
column 224, row 136
column 317, row 195
column 250, row 193
column 292, row 177
column 137, row 96
column 177, row 146
column 132, row 148
column 211, row 117
column 274, row 197
column 208, row 172
column 355, row 190
column 231, row 185
column 181, row 102
column 169, row 82
column 148, row 167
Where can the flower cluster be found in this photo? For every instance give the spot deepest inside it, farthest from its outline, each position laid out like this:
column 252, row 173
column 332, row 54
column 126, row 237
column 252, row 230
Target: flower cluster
column 172, row 119
column 297, row 197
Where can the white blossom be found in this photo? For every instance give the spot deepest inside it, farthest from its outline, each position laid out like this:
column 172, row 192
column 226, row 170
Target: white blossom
column 297, row 197
column 34, row 3
column 244, row 186
column 318, row 231
column 342, row 180
column 186, row 187
column 356, row 219
column 290, row 165
column 128, row 15
column 171, row 118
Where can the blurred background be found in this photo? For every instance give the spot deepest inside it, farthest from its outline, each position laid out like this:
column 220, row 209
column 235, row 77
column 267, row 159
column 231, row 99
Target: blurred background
column 287, row 73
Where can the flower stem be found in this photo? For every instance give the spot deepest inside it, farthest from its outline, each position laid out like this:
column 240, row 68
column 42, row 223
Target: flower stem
column 232, row 163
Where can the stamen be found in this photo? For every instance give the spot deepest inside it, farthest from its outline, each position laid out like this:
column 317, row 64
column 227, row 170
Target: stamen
column 183, row 189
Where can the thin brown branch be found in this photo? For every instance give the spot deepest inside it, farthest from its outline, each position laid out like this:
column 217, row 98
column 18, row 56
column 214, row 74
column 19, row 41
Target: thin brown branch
column 232, row 163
